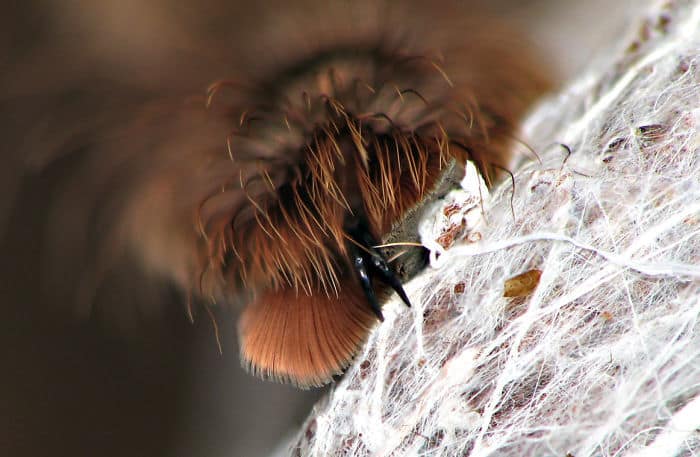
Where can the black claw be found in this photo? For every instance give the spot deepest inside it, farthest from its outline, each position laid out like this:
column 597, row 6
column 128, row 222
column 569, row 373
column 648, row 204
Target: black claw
column 370, row 260
column 388, row 276
column 366, row 282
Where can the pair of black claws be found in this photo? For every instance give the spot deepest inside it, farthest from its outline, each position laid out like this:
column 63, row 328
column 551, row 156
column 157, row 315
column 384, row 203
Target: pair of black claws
column 368, row 260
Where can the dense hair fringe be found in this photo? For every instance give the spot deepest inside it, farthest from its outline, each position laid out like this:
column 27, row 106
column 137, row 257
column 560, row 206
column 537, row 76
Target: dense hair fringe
column 249, row 187
column 280, row 223
column 303, row 339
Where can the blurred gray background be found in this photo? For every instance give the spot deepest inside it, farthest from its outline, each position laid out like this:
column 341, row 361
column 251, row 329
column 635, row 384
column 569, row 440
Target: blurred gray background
column 80, row 386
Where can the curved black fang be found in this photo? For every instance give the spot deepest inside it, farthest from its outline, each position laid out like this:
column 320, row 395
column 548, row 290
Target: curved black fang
column 382, row 269
column 366, row 282
column 370, row 260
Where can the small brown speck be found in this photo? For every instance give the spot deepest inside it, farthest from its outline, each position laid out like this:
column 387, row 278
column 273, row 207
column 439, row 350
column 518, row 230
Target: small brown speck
column 662, row 23
column 616, row 144
column 606, row 315
column 649, row 133
column 522, row 284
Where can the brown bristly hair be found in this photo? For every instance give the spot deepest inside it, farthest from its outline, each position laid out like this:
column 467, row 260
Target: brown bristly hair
column 346, row 149
column 339, row 114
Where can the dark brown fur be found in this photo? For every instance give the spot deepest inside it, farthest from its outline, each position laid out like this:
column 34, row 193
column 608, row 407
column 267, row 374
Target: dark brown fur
column 247, row 193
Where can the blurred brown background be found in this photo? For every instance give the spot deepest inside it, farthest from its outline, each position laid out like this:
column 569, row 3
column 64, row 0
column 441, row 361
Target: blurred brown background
column 141, row 381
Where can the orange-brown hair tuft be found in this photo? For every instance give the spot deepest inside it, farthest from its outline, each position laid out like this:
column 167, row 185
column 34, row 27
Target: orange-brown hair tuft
column 303, row 339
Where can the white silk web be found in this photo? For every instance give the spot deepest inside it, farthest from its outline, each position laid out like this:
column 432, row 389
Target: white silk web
column 603, row 357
